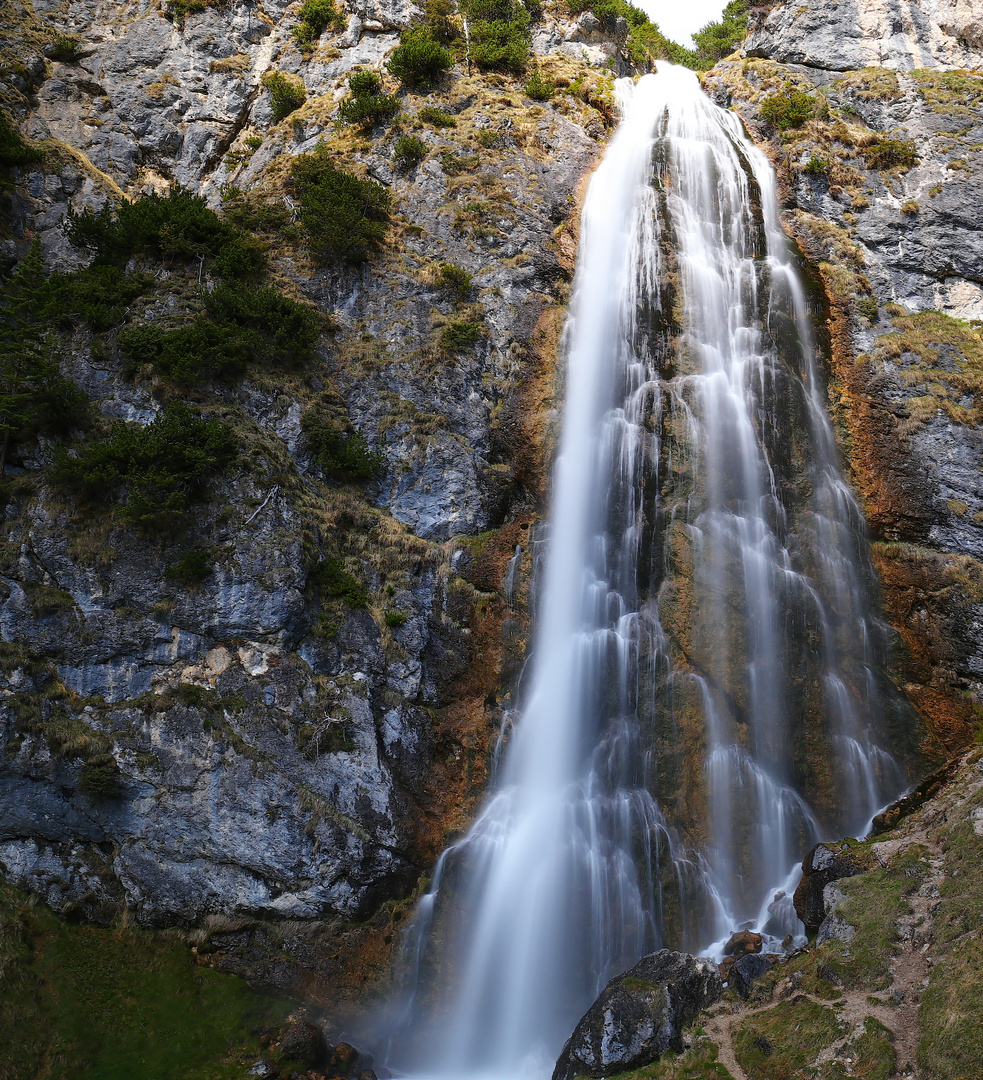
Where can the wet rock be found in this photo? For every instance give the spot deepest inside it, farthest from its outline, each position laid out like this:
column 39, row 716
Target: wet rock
column 743, row 942
column 302, row 1042
column 835, row 928
column 640, row 1015
column 744, row 971
column 826, row 863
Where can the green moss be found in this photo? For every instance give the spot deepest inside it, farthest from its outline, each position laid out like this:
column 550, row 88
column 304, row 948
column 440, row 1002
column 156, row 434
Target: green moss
column 80, row 1002
column 784, row 1041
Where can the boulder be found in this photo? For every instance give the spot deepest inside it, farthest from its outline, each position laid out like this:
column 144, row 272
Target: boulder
column 744, row 971
column 302, row 1042
column 826, row 863
column 639, row 1015
column 743, row 942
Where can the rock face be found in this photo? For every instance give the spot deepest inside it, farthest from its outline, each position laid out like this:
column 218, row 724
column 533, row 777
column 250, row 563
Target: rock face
column 826, row 863
column 843, row 36
column 896, row 247
column 640, row 1015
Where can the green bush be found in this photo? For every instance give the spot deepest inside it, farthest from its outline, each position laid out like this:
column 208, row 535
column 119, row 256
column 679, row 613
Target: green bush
column 330, row 578
column 100, row 778
column 868, row 307
column 339, row 452
column 816, row 166
column 459, row 335
column 538, row 88
column 608, row 11
column 15, row 150
column 315, row 17
column 891, row 154
column 181, row 9
column 35, row 398
column 98, row 295
column 419, row 61
column 395, row 618
column 64, row 49
column 787, row 109
column 438, row 19
column 366, row 105
column 240, row 325
column 435, row 117
column 499, row 34
column 408, row 151
column 719, row 39
column 287, row 93
column 344, row 217
column 455, row 280
column 176, row 227
column 154, row 473
column 193, row 568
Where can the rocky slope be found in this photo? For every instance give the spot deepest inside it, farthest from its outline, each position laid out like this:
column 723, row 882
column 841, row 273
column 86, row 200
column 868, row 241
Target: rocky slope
column 280, row 746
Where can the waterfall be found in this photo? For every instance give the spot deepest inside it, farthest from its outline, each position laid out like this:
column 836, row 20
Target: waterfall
column 706, row 697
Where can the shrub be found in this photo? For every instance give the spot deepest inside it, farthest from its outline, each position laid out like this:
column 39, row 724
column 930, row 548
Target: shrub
column 99, row 778
column 419, row 61
column 340, row 452
column 459, row 335
column 538, row 88
column 193, row 568
column 395, row 618
column 499, row 34
column 890, row 154
column 435, row 117
column 177, row 226
column 366, row 105
column 787, row 109
column 452, row 163
column 868, row 307
column 719, row 39
column 455, row 280
column 240, row 325
column 35, row 398
column 15, row 151
column 816, row 166
column 155, row 472
column 179, row 10
column 64, row 49
column 98, row 295
column 287, row 93
column 408, row 151
column 330, row 578
column 437, row 18
column 345, row 217
column 315, row 17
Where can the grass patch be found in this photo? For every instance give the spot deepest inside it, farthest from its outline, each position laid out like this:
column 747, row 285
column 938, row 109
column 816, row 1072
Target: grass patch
column 435, row 117
column 699, row 1062
column 886, row 154
column 783, row 1041
column 88, row 1003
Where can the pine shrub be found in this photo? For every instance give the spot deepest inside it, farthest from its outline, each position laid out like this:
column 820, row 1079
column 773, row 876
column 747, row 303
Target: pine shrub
column 419, row 61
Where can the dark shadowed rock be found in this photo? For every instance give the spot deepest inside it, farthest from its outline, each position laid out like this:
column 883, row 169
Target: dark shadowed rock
column 302, row 1042
column 744, row 971
column 826, row 863
column 640, row 1015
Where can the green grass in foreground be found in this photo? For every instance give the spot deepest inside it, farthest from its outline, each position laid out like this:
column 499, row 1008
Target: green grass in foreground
column 90, row 1003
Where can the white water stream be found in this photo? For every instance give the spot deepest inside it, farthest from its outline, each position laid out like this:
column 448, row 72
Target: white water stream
column 674, row 453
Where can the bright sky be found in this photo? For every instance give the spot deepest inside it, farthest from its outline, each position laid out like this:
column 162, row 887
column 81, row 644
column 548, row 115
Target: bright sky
column 677, row 19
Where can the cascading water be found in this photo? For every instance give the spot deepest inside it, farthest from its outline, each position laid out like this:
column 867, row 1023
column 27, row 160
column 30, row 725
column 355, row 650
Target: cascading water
column 706, row 697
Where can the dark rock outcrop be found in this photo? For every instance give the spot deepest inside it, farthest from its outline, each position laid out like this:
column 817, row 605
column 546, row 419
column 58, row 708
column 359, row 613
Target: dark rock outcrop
column 826, row 863
column 640, row 1015
column 742, row 975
